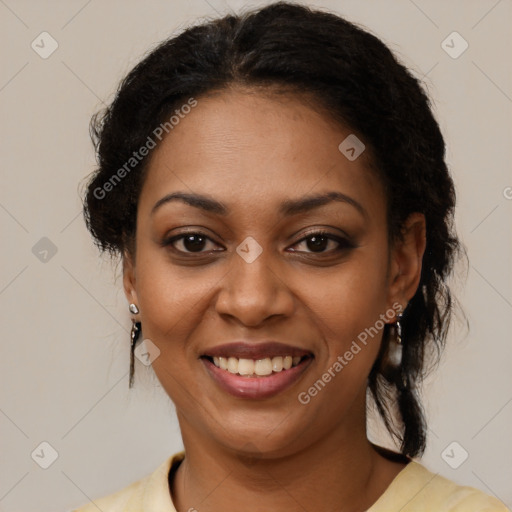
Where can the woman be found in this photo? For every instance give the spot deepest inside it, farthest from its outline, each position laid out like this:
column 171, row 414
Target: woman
column 275, row 185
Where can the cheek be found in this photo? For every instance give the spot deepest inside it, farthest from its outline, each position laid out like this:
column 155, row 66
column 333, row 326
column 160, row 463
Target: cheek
column 171, row 301
column 171, row 308
column 348, row 306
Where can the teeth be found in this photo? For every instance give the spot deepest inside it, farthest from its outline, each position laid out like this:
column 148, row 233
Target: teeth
column 277, row 364
column 245, row 366
column 232, row 365
column 260, row 367
column 263, row 366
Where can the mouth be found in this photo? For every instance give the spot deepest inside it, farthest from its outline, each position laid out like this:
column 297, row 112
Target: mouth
column 256, row 371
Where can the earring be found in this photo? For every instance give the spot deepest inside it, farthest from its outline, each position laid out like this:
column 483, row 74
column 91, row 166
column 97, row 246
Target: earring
column 134, row 336
column 395, row 344
column 391, row 366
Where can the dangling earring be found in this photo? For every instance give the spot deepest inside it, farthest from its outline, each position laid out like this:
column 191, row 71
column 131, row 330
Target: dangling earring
column 134, row 336
column 395, row 344
column 395, row 354
column 391, row 366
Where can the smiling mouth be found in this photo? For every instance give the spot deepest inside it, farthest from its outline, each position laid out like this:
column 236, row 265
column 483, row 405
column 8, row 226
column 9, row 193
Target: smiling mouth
column 257, row 367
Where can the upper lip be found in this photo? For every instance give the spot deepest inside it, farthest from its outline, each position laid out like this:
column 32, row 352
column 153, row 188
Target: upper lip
column 252, row 350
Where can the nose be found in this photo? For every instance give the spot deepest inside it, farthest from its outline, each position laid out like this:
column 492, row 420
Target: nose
column 254, row 292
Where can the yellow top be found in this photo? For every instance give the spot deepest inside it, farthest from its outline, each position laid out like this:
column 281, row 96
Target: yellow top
column 414, row 489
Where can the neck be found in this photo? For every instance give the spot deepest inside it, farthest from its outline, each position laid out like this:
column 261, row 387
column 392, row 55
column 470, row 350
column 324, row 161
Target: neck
column 340, row 471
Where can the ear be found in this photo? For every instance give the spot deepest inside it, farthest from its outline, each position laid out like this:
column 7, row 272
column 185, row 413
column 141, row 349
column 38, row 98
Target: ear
column 406, row 261
column 129, row 279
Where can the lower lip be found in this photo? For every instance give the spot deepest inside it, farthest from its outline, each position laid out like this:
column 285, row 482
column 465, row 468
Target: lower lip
column 256, row 387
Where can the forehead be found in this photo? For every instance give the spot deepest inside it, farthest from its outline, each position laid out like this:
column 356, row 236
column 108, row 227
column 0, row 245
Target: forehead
column 245, row 147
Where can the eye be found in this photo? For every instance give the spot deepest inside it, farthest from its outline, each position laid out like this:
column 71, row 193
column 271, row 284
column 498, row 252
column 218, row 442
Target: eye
column 191, row 243
column 319, row 241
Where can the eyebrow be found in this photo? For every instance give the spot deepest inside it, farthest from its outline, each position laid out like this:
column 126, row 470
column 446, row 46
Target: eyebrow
column 287, row 208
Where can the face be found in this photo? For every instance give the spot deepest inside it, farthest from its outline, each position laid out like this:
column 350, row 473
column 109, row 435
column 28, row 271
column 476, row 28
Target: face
column 272, row 237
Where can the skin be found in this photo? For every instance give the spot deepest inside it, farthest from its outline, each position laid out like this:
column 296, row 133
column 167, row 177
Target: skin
column 251, row 151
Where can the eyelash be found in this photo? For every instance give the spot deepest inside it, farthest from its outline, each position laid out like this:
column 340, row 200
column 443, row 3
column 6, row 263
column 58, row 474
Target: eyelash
column 344, row 244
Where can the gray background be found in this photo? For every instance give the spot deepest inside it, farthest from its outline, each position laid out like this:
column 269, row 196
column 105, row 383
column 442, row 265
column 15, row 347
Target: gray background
column 65, row 322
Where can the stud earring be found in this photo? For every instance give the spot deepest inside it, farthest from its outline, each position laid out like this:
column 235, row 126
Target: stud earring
column 134, row 309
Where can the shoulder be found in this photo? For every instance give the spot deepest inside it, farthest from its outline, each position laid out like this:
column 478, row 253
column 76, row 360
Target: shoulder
column 148, row 493
column 117, row 501
column 417, row 489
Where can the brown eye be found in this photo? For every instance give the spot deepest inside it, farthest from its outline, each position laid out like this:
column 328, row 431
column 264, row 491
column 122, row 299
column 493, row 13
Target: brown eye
column 317, row 243
column 322, row 242
column 194, row 243
column 191, row 243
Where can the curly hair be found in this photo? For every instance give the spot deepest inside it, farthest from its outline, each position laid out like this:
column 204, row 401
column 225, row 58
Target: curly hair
column 354, row 78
